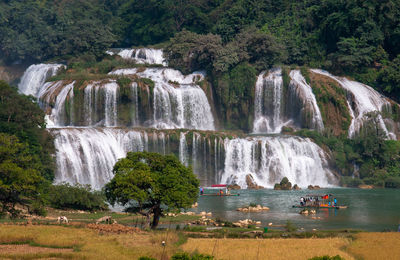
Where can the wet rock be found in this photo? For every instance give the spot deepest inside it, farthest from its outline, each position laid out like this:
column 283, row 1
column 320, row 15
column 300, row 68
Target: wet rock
column 246, row 223
column 364, row 186
column 234, row 187
column 304, row 212
column 251, row 184
column 285, row 184
column 257, row 208
column 311, row 187
column 296, row 187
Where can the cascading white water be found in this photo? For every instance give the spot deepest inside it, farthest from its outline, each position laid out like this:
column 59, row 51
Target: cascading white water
column 269, row 159
column 47, row 96
column 135, row 98
column 268, row 99
column 275, row 109
column 110, row 91
column 144, row 56
column 88, row 98
column 365, row 100
column 35, row 76
column 177, row 101
column 183, row 150
column 303, row 91
column 87, row 155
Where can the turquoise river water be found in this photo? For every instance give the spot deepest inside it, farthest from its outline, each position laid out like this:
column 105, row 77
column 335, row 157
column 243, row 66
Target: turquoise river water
column 369, row 210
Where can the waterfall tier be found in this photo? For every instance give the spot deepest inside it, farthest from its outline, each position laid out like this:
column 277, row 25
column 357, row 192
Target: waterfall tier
column 35, row 76
column 277, row 105
column 87, row 155
column 362, row 99
column 142, row 55
column 168, row 101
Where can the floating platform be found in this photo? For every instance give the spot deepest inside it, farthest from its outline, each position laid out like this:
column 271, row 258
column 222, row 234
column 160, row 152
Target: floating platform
column 321, row 207
column 218, row 195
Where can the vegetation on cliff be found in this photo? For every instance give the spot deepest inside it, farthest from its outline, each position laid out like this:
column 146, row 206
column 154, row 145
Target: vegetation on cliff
column 359, row 38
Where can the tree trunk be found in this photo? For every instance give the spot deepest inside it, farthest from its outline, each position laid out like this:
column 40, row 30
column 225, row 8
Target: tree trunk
column 156, row 217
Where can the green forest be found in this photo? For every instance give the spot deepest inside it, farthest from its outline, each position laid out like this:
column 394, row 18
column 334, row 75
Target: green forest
column 352, row 37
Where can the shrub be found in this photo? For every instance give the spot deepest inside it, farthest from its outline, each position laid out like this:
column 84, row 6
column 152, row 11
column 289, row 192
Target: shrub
column 290, row 227
column 80, row 197
column 186, row 256
column 326, row 257
column 392, row 182
column 348, row 181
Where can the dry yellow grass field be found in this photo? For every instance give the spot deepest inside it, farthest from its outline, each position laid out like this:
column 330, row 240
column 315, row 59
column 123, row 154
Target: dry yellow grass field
column 239, row 249
column 84, row 243
column 376, row 246
column 88, row 244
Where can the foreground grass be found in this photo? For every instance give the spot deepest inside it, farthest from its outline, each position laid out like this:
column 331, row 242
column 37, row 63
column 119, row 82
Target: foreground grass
column 376, row 246
column 86, row 243
column 91, row 217
column 269, row 248
column 79, row 242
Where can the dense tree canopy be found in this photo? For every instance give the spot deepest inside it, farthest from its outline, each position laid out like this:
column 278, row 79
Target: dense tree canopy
column 150, row 183
column 22, row 117
column 20, row 182
column 26, row 164
column 360, row 38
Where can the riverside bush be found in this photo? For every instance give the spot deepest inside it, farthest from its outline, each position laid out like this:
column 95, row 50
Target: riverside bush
column 392, row 182
column 79, row 197
column 186, row 256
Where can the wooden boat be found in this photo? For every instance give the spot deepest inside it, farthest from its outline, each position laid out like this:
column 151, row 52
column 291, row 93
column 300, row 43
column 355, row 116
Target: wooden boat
column 322, row 207
column 219, row 190
column 219, row 195
column 324, row 201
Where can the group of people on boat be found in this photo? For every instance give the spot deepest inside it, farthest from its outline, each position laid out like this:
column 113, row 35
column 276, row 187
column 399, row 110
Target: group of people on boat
column 314, row 201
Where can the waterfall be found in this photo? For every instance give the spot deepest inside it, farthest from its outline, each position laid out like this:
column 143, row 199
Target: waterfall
column 144, row 56
column 88, row 103
column 35, row 76
column 110, row 110
column 135, row 99
column 268, row 99
column 183, row 150
column 88, row 155
column 365, row 100
column 309, row 112
column 269, row 159
column 177, row 101
column 56, row 93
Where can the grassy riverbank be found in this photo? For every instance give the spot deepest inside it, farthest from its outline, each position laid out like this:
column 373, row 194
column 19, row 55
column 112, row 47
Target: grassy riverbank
column 88, row 242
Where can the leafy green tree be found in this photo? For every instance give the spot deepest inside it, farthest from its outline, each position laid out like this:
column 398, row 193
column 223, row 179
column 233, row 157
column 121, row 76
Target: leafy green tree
column 389, row 77
column 20, row 183
column 150, row 184
column 352, row 54
column 22, row 117
column 40, row 30
column 81, row 197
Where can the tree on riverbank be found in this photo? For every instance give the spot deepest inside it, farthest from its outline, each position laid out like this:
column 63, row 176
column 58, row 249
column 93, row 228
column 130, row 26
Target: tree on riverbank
column 151, row 183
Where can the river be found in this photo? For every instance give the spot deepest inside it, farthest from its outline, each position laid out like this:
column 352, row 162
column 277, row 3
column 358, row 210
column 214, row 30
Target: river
column 369, row 210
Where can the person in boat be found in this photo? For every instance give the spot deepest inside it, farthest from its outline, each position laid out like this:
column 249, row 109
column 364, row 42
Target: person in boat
column 302, row 201
column 221, row 193
column 201, row 191
column 334, row 201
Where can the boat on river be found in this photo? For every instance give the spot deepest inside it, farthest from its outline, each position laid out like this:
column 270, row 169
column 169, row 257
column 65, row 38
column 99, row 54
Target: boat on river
column 220, row 190
column 319, row 201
